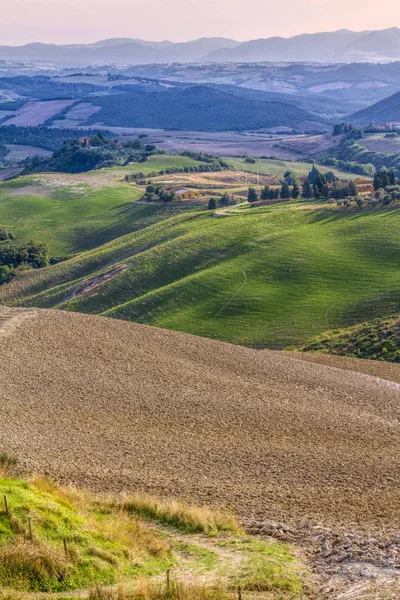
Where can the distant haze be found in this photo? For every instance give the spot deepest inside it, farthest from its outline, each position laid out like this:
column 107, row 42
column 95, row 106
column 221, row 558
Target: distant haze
column 77, row 21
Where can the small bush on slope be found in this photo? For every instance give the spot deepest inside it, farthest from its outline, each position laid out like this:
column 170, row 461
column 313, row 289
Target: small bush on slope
column 375, row 340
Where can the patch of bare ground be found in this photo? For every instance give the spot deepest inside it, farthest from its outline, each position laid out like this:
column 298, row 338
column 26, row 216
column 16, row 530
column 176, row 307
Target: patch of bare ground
column 94, row 179
column 346, row 564
column 278, row 437
column 91, row 285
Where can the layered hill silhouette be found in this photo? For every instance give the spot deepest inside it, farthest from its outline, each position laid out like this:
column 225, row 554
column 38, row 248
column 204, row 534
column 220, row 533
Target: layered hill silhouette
column 338, row 46
column 115, row 405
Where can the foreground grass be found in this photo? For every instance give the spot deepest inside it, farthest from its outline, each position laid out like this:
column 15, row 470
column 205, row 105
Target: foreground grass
column 75, row 541
column 55, row 539
column 183, row 516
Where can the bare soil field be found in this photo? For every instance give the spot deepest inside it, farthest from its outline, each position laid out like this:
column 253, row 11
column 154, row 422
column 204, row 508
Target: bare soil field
column 37, row 112
column 77, row 115
column 115, row 405
column 305, row 449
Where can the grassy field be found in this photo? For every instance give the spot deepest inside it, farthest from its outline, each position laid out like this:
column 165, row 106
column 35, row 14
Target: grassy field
column 57, row 539
column 378, row 142
column 271, row 277
column 72, row 213
column 277, row 168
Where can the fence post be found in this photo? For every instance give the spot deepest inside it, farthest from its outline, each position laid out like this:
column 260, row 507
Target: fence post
column 168, row 580
column 6, row 504
column 66, row 548
column 239, row 593
column 30, row 528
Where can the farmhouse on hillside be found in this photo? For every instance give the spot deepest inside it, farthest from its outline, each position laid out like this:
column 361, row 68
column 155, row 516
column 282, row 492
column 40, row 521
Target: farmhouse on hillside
column 183, row 193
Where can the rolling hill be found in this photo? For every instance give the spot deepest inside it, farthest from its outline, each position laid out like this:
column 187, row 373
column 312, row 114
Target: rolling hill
column 335, row 47
column 383, row 111
column 115, row 405
column 119, row 51
column 261, row 277
column 197, row 108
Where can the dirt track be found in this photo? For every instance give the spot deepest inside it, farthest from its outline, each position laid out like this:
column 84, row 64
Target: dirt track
column 115, row 405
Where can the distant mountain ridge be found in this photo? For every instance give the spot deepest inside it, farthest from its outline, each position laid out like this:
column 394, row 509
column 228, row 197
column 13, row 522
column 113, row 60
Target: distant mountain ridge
column 342, row 46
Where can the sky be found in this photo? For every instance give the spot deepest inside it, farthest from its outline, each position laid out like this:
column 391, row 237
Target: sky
column 80, row 21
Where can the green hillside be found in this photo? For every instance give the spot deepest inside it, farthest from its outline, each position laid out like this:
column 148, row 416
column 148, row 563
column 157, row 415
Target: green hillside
column 72, row 213
column 271, row 277
column 375, row 340
column 277, row 168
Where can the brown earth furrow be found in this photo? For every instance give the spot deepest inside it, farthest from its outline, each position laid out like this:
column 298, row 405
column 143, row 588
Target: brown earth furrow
column 114, row 405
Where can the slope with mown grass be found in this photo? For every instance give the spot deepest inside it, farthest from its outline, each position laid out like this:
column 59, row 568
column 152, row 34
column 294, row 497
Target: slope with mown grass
column 271, row 277
column 55, row 539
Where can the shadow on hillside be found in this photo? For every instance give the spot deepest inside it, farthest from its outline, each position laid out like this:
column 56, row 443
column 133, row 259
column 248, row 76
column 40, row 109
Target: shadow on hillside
column 329, row 216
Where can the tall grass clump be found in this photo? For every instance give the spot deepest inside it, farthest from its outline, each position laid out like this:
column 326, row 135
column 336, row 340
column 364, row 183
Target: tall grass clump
column 31, row 567
column 189, row 517
column 146, row 590
column 8, row 463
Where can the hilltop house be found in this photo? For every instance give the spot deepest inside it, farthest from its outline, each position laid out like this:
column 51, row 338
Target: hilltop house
column 183, row 193
column 364, row 186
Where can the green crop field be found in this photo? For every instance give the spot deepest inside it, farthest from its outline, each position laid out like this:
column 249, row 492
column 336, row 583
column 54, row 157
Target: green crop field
column 267, row 277
column 277, row 168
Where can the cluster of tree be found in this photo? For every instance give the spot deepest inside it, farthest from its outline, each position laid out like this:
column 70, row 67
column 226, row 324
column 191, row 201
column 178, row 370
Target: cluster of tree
column 12, row 105
column 223, row 201
column 42, row 137
column 206, row 158
column 316, row 185
column 5, row 235
column 350, row 150
column 367, row 169
column 16, row 256
column 156, row 193
column 75, row 157
column 384, row 178
column 3, row 152
column 47, row 88
column 341, row 190
column 382, row 197
column 340, row 128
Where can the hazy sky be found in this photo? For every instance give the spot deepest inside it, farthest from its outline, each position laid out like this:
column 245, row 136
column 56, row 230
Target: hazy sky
column 65, row 21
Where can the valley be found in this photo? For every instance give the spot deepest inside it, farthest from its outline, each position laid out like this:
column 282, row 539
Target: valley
column 199, row 318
